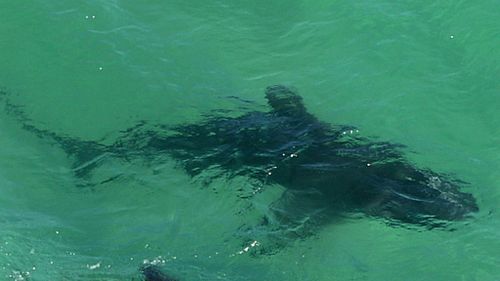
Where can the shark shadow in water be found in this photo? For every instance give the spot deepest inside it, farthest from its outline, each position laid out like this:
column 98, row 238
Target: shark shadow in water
column 325, row 169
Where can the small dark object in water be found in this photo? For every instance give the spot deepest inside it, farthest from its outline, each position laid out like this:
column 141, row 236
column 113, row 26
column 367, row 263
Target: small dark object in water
column 153, row 273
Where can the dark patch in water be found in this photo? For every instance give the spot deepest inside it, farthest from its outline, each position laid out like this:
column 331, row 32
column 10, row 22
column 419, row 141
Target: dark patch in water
column 153, row 273
column 326, row 169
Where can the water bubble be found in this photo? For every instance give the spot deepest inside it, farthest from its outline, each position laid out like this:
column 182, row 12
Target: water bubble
column 94, row 266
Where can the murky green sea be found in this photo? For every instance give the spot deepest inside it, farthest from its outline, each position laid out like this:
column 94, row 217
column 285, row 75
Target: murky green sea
column 422, row 73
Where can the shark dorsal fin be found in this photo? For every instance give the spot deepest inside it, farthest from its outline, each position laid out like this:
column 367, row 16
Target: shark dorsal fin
column 285, row 101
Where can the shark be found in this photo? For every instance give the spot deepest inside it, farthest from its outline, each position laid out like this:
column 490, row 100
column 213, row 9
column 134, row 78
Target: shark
column 326, row 170
column 286, row 145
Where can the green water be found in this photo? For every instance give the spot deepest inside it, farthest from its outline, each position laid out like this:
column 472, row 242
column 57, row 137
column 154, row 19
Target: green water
column 421, row 73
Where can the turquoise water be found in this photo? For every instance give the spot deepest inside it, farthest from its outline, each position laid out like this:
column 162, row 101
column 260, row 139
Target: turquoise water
column 421, row 73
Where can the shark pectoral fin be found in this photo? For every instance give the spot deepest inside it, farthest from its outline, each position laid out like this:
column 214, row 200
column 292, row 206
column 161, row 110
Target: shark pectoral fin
column 300, row 212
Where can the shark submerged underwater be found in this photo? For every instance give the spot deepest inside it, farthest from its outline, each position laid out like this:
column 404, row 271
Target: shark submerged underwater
column 325, row 169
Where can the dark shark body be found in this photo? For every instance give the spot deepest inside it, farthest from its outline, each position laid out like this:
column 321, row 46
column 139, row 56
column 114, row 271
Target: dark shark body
column 154, row 273
column 322, row 166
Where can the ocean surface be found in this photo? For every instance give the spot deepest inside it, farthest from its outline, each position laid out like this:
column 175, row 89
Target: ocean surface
column 421, row 73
